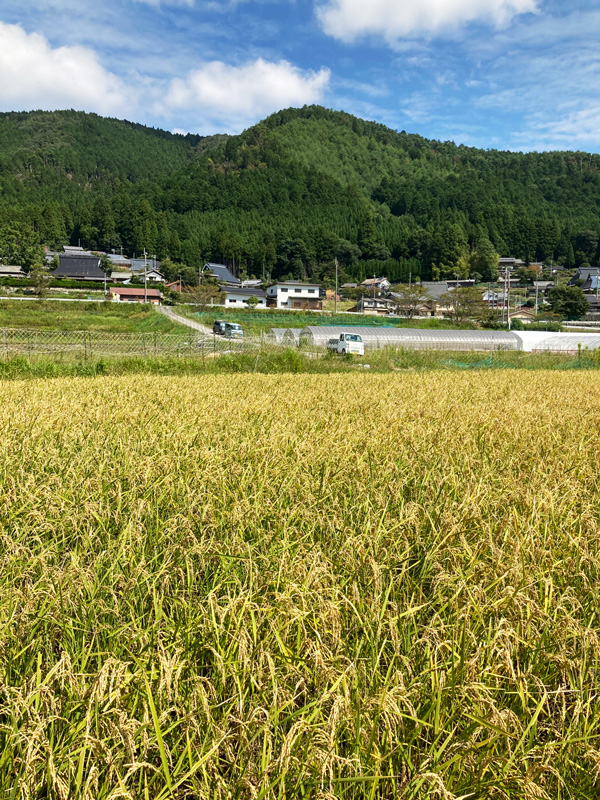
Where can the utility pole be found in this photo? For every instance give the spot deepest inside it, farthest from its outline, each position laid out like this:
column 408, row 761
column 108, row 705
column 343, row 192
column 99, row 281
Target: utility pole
column 336, row 288
column 409, row 279
column 507, row 292
column 537, row 288
column 145, row 276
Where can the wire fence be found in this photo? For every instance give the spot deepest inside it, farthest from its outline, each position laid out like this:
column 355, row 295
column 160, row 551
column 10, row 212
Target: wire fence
column 95, row 344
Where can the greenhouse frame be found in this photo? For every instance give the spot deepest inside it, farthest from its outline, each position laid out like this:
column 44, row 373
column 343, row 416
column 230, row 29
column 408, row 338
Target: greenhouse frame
column 568, row 343
column 277, row 334
column 292, row 336
column 378, row 338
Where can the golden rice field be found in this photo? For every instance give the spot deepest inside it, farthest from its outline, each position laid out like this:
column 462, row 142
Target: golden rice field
column 300, row 586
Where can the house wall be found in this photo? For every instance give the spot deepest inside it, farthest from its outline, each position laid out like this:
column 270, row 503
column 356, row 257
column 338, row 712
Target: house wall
column 285, row 296
column 127, row 299
column 241, row 301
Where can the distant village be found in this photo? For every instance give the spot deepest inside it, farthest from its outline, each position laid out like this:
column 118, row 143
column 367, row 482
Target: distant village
column 140, row 280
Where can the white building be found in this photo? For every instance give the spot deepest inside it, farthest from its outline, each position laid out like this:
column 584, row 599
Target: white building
column 379, row 284
column 237, row 297
column 293, row 294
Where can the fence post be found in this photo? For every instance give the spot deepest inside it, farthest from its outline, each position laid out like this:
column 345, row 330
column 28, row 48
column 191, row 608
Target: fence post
column 155, row 343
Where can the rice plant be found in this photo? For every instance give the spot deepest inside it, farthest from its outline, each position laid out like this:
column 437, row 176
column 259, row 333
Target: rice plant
column 300, row 586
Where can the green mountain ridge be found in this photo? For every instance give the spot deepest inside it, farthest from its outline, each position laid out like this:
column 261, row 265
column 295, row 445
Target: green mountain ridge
column 290, row 194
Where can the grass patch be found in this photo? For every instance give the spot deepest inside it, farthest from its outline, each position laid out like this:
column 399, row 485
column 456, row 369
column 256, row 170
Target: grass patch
column 92, row 316
column 255, row 322
column 292, row 360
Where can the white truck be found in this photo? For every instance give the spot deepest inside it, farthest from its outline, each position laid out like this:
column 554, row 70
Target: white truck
column 347, row 343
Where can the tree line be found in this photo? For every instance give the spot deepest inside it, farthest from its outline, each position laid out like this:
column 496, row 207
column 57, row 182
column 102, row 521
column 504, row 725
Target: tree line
column 290, row 196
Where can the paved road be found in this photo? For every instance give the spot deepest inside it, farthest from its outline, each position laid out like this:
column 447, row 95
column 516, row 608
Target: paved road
column 190, row 323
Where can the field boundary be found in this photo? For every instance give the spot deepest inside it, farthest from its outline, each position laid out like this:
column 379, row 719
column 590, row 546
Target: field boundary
column 91, row 344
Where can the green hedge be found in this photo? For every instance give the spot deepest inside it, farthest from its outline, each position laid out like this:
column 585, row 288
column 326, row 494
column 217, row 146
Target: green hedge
column 54, row 283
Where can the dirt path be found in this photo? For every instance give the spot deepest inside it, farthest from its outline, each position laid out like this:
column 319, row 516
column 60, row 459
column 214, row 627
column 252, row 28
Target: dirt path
column 168, row 312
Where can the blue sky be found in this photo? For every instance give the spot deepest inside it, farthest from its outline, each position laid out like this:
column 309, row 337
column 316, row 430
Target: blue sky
column 509, row 74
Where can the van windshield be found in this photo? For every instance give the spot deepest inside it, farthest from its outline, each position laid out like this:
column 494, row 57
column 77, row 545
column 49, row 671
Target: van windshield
column 353, row 337
column 234, row 326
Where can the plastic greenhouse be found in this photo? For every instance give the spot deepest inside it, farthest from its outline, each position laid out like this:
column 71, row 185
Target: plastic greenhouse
column 377, row 338
column 292, row 336
column 277, row 334
column 569, row 343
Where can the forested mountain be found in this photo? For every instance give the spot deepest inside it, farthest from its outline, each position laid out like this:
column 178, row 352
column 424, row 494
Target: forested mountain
column 290, row 194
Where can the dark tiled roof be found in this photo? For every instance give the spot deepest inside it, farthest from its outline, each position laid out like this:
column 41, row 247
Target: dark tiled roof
column 222, row 273
column 435, row 289
column 239, row 290
column 85, row 268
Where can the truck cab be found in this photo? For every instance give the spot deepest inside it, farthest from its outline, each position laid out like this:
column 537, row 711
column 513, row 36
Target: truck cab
column 347, row 343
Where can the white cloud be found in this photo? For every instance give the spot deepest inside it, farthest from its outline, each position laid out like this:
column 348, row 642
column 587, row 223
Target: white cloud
column 249, row 91
column 35, row 75
column 214, row 97
column 157, row 3
column 394, row 19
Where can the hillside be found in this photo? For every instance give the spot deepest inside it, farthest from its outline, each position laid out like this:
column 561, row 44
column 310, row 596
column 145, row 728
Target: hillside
column 43, row 145
column 290, row 194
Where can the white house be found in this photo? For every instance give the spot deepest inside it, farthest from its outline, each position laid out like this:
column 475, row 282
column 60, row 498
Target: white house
column 293, row 294
column 237, row 297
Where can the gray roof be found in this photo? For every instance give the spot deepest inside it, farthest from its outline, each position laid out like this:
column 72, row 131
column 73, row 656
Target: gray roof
column 374, row 281
column 295, row 283
column 248, row 291
column 222, row 273
column 435, row 289
column 7, row 269
column 139, row 264
column 584, row 274
column 79, row 267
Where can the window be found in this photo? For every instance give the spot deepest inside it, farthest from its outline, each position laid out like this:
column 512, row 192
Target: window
column 232, row 299
column 311, row 291
column 283, row 290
